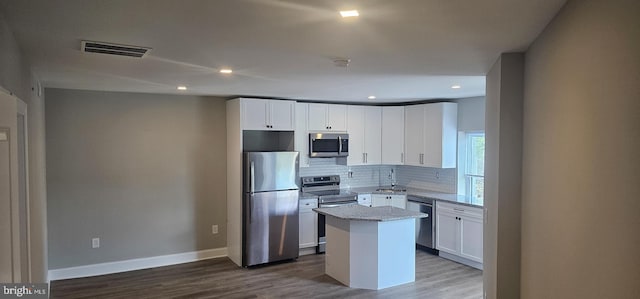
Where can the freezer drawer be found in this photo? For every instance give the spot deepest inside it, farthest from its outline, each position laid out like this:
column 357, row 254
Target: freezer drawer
column 270, row 227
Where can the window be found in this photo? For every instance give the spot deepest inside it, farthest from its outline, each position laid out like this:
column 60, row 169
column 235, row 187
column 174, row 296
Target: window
column 471, row 168
column 474, row 170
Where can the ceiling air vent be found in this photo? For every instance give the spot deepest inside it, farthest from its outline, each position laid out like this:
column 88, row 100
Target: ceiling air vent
column 114, row 49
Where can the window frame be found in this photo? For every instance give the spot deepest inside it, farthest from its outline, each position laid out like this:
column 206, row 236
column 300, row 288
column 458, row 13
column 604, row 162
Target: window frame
column 466, row 154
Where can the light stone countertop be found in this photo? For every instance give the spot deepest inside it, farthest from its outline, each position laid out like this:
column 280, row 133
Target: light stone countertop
column 446, row 197
column 358, row 212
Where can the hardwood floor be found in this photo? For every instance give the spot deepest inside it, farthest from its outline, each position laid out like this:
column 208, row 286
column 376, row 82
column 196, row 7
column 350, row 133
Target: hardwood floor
column 220, row 278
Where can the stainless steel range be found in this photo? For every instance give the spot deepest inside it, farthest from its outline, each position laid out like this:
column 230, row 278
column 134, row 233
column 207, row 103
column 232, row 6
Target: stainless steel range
column 327, row 188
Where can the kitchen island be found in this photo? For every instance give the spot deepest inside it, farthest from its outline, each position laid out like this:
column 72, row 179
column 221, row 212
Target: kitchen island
column 370, row 248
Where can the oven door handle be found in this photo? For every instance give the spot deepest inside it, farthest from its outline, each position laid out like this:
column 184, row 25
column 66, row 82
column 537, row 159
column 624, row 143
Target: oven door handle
column 339, row 145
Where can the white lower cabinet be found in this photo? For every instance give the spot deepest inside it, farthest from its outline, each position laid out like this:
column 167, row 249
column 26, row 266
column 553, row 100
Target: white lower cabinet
column 364, row 199
column 459, row 230
column 308, row 231
column 398, row 201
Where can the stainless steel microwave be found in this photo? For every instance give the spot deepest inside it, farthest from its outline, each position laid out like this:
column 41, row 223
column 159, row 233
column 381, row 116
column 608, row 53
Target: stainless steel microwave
column 323, row 145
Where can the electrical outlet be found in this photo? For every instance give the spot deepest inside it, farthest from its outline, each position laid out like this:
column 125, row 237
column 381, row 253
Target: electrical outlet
column 437, row 174
column 214, row 229
column 95, row 243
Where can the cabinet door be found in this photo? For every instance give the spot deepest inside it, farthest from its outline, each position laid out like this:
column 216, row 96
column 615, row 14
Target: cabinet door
column 440, row 135
column 372, row 134
column 317, row 117
column 471, row 238
column 356, row 129
column 255, row 114
column 414, row 135
column 399, row 201
column 337, row 117
column 282, row 115
column 447, row 238
column 301, row 142
column 380, row 200
column 308, row 230
column 364, row 199
column 392, row 135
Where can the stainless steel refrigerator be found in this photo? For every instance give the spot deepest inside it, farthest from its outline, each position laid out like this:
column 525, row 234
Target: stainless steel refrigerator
column 270, row 207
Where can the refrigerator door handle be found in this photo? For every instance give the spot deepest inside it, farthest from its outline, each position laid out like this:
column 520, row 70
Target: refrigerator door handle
column 252, row 178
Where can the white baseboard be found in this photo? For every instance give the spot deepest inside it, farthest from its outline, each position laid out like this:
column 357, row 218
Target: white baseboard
column 307, row 251
column 461, row 260
column 135, row 264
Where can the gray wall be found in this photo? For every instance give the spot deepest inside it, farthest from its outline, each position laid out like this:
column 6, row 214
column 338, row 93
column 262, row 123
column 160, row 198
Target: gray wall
column 143, row 172
column 471, row 114
column 581, row 172
column 16, row 77
column 503, row 161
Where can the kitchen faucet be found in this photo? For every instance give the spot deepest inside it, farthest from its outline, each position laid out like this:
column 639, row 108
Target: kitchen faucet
column 392, row 177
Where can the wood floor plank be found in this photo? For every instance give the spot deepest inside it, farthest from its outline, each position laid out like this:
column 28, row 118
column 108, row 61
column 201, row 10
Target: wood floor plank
column 436, row 278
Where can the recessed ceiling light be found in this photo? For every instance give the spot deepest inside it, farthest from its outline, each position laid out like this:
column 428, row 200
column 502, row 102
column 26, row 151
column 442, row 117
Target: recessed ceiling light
column 226, row 71
column 349, row 13
column 456, row 86
column 371, row 97
column 182, row 87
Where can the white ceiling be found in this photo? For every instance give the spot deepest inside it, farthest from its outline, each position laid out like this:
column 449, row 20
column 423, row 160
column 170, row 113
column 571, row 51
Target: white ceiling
column 400, row 50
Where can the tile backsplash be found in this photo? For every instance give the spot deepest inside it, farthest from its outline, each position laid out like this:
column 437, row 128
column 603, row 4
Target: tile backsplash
column 436, row 179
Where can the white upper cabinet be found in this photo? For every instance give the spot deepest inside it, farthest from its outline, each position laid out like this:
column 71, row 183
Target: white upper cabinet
column 327, row 117
column 440, row 135
column 414, row 135
column 364, row 127
column 392, row 142
column 431, row 135
column 301, row 136
column 261, row 114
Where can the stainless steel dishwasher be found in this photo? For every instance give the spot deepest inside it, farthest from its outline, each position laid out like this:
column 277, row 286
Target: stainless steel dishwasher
column 425, row 227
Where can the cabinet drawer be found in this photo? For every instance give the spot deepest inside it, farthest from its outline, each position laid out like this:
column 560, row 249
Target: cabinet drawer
column 458, row 209
column 307, row 205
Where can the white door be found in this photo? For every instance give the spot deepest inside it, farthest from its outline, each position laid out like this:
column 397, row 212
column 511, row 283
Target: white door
column 372, row 134
column 414, row 135
column 447, row 237
column 471, row 238
column 392, row 137
column 317, row 117
column 255, row 114
column 282, row 115
column 14, row 197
